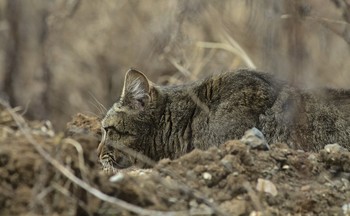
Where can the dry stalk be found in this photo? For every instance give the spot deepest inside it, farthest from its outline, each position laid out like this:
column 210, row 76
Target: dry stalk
column 80, row 151
column 91, row 113
column 180, row 68
column 69, row 195
column 63, row 170
column 179, row 184
column 319, row 19
column 241, row 53
column 330, row 24
column 231, row 46
column 253, row 197
column 198, row 102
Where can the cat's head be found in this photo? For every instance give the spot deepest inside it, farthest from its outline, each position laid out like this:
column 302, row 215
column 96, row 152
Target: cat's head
column 129, row 125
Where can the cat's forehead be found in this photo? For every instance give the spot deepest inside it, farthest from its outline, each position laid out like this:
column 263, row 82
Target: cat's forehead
column 117, row 108
column 111, row 119
column 113, row 116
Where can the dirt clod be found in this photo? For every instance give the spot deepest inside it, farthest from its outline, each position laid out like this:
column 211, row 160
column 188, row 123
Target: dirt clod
column 232, row 179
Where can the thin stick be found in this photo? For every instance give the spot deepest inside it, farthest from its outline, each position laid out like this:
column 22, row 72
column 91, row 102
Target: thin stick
column 95, row 192
column 232, row 47
column 254, row 198
column 241, row 51
column 180, row 68
column 81, row 161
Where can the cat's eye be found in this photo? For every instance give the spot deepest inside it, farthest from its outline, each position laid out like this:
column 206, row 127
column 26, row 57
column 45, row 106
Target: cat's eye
column 115, row 130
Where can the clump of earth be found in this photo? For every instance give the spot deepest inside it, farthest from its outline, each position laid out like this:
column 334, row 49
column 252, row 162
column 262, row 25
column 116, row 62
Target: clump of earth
column 43, row 172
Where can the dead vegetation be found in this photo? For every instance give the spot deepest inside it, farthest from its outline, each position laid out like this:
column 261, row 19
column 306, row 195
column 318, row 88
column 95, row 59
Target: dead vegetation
column 58, row 56
column 54, row 174
column 66, row 56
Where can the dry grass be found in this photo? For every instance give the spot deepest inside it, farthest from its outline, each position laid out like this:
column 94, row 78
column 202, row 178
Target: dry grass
column 79, row 48
column 83, row 181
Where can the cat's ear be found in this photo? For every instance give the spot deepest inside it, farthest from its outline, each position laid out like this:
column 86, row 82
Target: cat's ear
column 136, row 90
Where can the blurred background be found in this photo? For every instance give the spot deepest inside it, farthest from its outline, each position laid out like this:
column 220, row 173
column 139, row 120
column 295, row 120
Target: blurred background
column 61, row 57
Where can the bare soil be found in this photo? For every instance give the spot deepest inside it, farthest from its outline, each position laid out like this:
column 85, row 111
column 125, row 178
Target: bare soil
column 230, row 180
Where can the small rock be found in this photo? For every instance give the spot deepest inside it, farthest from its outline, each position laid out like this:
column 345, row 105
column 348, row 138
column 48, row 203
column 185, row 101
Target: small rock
column 138, row 172
column 312, row 157
column 173, row 199
column 305, row 188
column 234, row 207
column 201, row 209
column 346, row 209
column 255, row 213
column 266, row 186
column 286, row 167
column 191, row 175
column 255, row 139
column 193, row 203
column 117, row 177
column 346, row 183
column 334, row 148
column 207, row 176
column 227, row 162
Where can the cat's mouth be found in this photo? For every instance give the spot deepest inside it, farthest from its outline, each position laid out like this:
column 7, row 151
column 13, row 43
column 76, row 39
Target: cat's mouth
column 114, row 156
column 110, row 162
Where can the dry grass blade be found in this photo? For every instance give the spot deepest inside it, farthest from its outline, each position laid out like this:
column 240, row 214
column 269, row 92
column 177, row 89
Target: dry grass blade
column 198, row 102
column 81, row 161
column 320, row 19
column 232, row 47
column 338, row 27
column 241, row 51
column 62, row 169
column 254, row 198
column 180, row 68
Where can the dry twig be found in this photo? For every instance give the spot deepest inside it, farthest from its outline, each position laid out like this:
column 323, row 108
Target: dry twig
column 62, row 169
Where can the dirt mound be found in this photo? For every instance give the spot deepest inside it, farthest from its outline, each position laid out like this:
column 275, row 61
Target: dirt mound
column 43, row 173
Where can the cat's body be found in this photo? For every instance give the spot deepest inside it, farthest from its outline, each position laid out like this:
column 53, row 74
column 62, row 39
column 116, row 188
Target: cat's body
column 167, row 122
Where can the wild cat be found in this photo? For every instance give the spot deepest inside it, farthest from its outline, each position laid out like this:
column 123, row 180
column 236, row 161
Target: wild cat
column 170, row 121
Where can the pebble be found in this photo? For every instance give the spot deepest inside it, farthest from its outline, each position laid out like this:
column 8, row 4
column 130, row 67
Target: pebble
column 173, row 199
column 193, row 203
column 266, row 186
column 334, row 148
column 255, row 139
column 227, row 162
column 255, row 213
column 346, row 209
column 286, row 167
column 312, row 157
column 117, row 177
column 207, row 176
column 201, row 209
column 305, row 188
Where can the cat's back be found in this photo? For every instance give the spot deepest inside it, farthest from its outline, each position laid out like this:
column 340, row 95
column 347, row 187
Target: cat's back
column 241, row 88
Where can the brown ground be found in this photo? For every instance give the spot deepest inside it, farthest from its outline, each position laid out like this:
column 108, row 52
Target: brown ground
column 220, row 181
